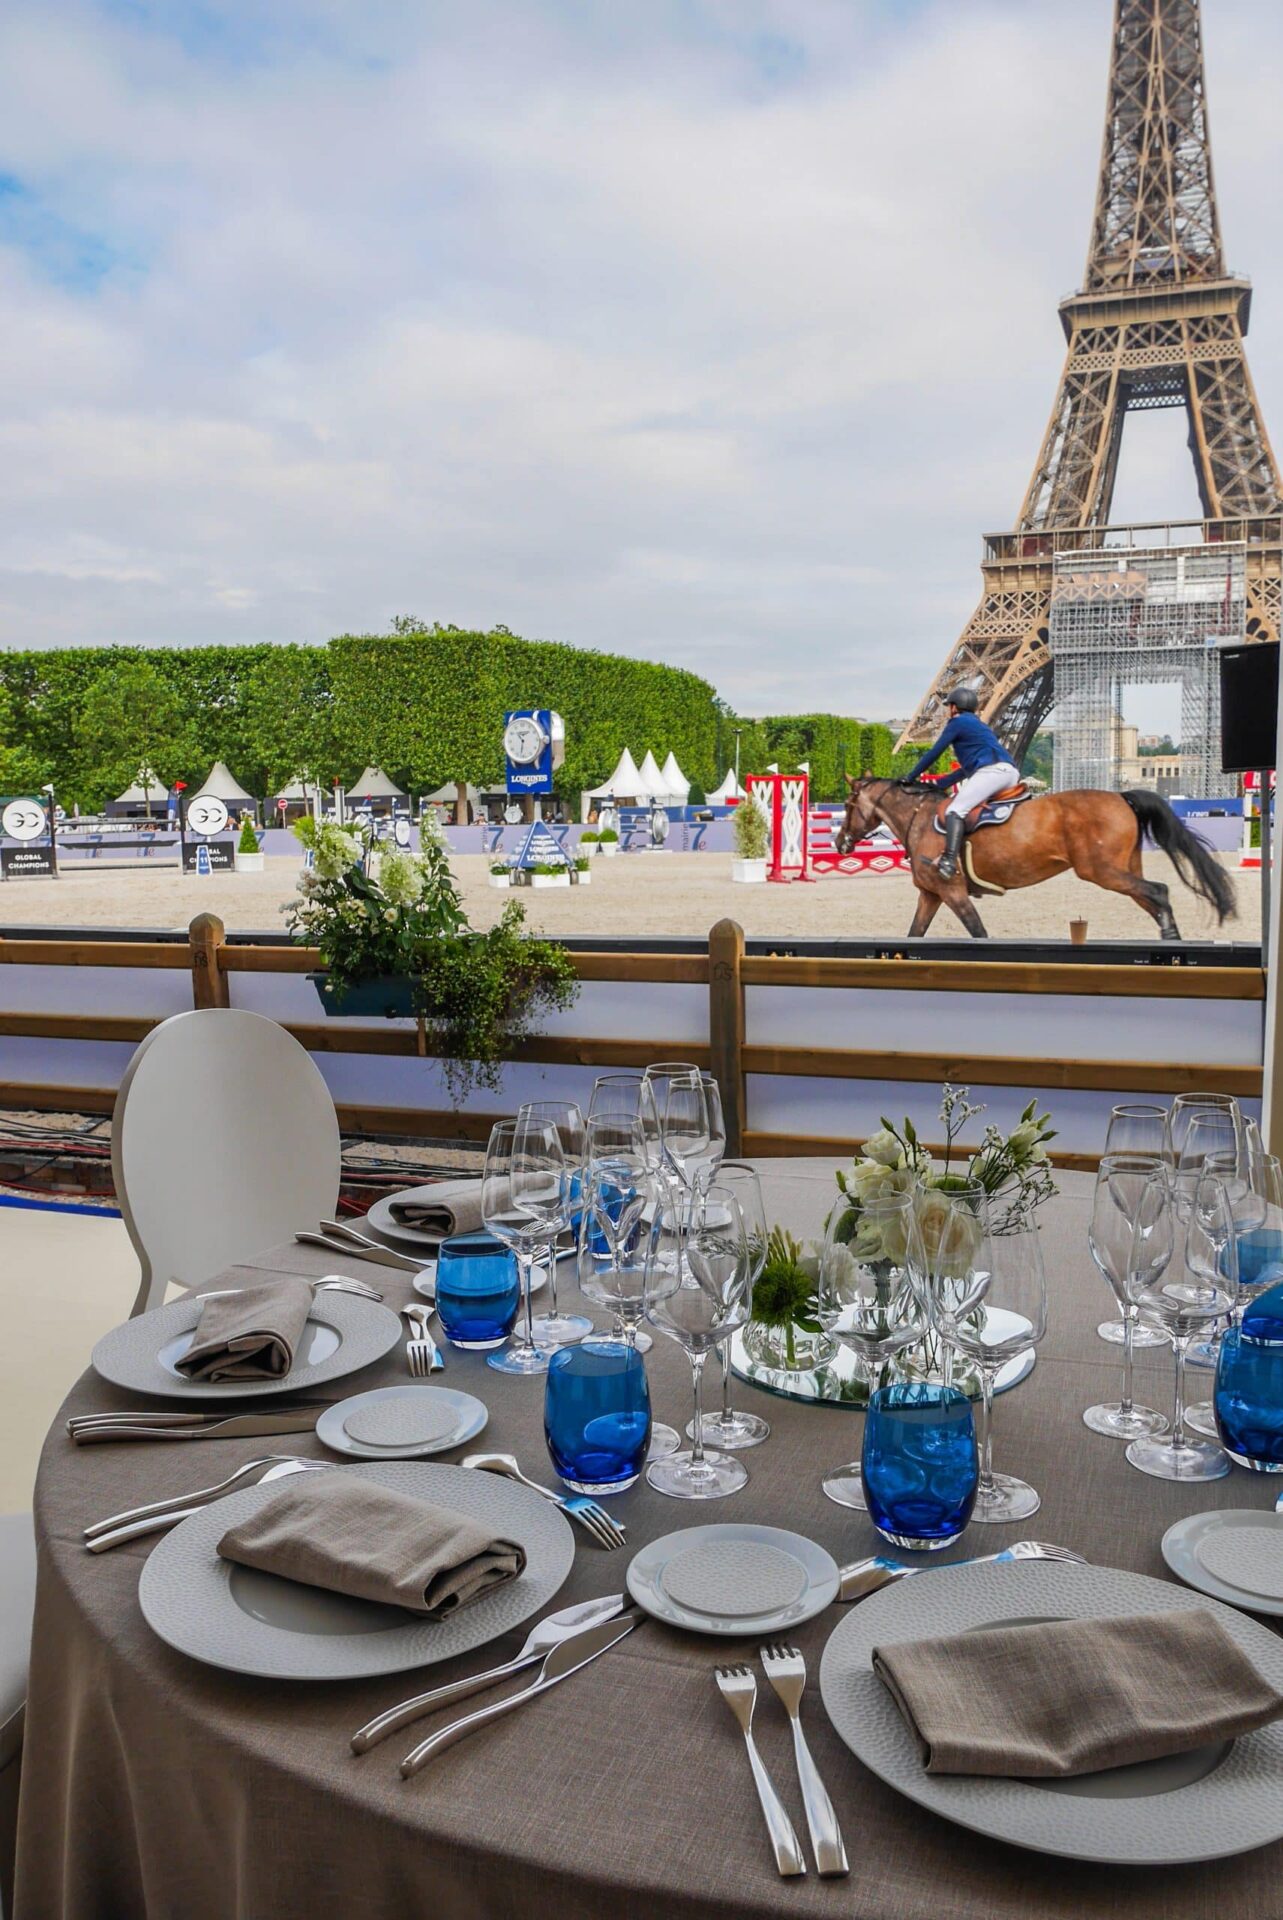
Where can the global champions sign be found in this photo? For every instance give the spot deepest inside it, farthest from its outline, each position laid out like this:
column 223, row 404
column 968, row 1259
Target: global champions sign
column 534, row 746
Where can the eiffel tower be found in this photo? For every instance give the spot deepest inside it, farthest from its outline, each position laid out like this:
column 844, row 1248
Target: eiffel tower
column 1159, row 323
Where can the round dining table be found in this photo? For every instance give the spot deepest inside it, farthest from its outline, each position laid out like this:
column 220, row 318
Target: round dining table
column 156, row 1786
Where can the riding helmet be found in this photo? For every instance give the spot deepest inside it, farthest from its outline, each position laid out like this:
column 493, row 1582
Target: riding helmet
column 964, row 699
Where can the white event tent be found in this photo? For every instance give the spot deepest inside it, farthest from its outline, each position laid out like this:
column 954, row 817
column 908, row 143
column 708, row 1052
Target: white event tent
column 729, row 790
column 222, row 784
column 652, row 779
column 676, row 785
column 625, row 784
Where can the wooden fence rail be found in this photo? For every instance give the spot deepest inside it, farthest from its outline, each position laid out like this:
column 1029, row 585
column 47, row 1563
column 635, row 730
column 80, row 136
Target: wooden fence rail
column 730, row 1051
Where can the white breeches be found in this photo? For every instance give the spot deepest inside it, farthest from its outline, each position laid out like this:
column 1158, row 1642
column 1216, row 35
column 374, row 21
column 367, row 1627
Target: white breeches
column 982, row 786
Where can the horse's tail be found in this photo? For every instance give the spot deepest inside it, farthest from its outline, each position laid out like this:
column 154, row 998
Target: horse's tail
column 1189, row 854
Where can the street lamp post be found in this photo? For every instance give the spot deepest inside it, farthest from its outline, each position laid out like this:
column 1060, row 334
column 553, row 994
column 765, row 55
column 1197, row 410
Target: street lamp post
column 738, row 732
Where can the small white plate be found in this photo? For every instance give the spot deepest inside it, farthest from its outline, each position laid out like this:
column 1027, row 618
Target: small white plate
column 1181, row 1545
column 462, row 1417
column 715, row 1568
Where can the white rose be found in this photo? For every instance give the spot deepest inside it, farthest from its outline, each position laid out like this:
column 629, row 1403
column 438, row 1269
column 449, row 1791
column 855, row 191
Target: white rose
column 884, row 1148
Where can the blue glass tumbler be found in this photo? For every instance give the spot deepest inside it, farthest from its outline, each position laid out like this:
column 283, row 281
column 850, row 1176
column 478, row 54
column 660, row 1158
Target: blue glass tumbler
column 597, row 1415
column 919, row 1466
column 478, row 1291
column 1249, row 1386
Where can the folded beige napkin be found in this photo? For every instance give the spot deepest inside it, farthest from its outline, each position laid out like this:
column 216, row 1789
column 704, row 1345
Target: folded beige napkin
column 339, row 1531
column 448, row 1206
column 251, row 1334
column 1075, row 1696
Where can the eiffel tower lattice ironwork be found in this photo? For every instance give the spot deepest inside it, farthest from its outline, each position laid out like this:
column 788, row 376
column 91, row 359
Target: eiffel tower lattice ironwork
column 1159, row 323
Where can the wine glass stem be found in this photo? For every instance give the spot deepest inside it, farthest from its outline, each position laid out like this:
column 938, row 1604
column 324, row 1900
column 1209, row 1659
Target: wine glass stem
column 697, row 1426
column 526, row 1274
column 1179, row 1436
column 552, row 1277
column 986, row 1430
column 1129, row 1329
column 724, row 1355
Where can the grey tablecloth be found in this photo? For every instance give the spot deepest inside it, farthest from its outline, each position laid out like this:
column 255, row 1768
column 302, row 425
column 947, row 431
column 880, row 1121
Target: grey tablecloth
column 155, row 1786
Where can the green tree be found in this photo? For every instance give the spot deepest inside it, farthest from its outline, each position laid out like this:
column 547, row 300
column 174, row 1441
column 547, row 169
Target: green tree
column 131, row 718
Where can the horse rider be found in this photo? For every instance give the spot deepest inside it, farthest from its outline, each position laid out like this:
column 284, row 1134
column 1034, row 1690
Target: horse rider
column 983, row 768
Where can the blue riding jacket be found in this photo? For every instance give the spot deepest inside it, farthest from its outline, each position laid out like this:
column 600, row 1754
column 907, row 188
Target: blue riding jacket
column 974, row 744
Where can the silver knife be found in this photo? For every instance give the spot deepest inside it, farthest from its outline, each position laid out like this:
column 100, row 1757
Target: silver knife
column 564, row 1660
column 570, row 1623
column 237, row 1426
column 383, row 1256
column 185, row 1417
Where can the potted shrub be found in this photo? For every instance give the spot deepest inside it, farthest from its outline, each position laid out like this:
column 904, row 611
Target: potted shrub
column 608, row 841
column 582, row 875
column 500, row 874
column 401, row 946
column 549, row 873
column 751, row 836
column 247, row 857
column 589, row 842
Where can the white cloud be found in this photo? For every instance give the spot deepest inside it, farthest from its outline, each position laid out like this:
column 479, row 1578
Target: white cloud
column 716, row 332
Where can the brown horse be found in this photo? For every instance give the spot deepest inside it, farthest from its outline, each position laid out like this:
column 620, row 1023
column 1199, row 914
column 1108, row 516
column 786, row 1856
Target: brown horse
column 1099, row 835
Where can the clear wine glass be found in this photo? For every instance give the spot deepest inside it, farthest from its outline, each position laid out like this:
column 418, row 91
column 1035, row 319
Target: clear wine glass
column 1185, row 1290
column 699, row 1298
column 683, row 1122
column 708, row 1166
column 863, row 1301
column 1009, row 1287
column 523, row 1189
column 1120, row 1182
column 630, row 1096
column 952, row 1223
column 1136, row 1126
column 554, row 1328
column 729, row 1428
column 1185, row 1108
column 622, row 1191
column 1211, row 1135
column 1258, row 1264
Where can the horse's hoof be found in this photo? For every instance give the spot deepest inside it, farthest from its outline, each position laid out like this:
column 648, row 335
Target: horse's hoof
column 1171, row 933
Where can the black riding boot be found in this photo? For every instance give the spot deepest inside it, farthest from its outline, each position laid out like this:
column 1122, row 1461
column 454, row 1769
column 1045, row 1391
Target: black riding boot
column 948, row 861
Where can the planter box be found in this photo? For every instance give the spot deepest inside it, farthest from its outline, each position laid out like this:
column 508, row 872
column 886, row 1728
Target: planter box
column 550, row 879
column 608, row 847
column 386, row 999
column 580, row 877
column 503, row 880
column 250, row 862
column 749, row 872
column 590, row 848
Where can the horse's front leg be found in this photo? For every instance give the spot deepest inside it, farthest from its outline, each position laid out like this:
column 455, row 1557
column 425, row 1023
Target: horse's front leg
column 928, row 908
column 958, row 900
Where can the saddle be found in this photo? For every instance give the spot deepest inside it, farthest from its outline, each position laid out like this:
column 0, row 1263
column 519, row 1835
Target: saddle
column 990, row 813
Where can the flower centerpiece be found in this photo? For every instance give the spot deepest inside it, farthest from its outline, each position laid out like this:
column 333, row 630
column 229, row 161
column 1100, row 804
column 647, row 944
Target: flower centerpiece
column 784, row 1334
column 400, row 944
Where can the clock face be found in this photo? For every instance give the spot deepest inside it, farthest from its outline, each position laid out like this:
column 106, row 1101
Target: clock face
column 523, row 739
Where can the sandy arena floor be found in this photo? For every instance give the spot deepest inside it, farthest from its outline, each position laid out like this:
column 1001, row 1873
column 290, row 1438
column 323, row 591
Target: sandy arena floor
column 665, row 893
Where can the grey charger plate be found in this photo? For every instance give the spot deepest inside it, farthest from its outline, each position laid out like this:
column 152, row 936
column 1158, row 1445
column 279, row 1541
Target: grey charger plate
column 251, row 1622
column 1222, row 1800
column 343, row 1334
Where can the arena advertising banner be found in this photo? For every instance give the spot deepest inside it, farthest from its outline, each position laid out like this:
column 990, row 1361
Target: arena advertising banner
column 26, row 821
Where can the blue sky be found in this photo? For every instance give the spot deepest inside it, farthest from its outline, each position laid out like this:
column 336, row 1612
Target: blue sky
column 715, row 331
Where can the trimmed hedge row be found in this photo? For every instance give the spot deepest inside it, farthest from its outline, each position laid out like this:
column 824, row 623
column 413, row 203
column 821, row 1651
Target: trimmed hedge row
column 426, row 705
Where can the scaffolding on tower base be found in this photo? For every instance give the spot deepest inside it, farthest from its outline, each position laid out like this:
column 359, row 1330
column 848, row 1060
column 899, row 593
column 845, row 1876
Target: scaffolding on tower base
column 1129, row 616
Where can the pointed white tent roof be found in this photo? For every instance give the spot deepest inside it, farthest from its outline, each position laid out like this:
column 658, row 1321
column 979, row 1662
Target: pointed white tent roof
column 730, row 789
column 145, row 787
column 300, row 791
column 447, row 795
column 675, row 781
column 222, row 784
column 625, row 783
column 652, row 778
column 375, row 785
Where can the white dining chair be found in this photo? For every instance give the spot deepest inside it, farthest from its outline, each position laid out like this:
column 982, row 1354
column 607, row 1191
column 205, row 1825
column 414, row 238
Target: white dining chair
column 17, row 1599
column 224, row 1141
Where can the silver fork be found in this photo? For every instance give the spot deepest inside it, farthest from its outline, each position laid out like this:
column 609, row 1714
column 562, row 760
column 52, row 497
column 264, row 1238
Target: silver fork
column 157, row 1522
column 785, row 1668
column 864, row 1577
column 197, row 1497
column 604, row 1528
column 738, row 1689
column 423, row 1354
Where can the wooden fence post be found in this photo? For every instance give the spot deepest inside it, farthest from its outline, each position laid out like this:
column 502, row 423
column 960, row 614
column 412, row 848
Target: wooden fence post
column 207, row 936
column 726, row 1027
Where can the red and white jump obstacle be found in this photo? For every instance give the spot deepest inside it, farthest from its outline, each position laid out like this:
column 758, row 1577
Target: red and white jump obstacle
column 802, row 835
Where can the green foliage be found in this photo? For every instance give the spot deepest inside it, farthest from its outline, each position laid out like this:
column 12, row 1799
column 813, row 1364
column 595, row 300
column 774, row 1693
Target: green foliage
column 749, row 831
column 582, row 863
column 549, row 867
column 247, row 841
column 696, row 797
column 784, row 1294
column 608, row 833
column 131, row 718
column 1037, row 762
column 477, row 993
column 589, row 837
